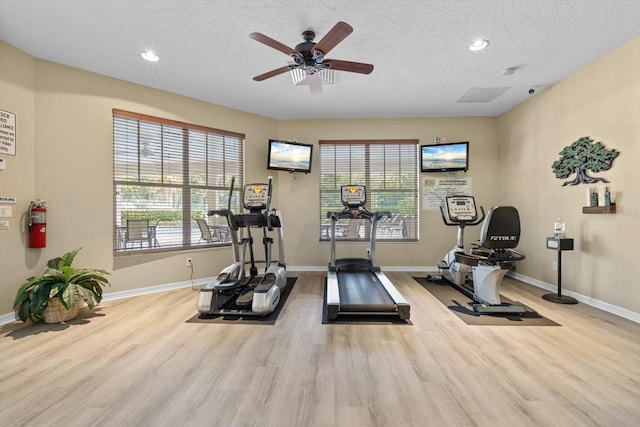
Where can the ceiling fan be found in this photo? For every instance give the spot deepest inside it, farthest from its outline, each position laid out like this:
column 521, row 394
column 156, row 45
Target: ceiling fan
column 310, row 56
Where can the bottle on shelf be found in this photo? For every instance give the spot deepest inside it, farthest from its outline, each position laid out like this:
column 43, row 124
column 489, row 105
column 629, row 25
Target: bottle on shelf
column 558, row 229
column 607, row 197
column 594, row 197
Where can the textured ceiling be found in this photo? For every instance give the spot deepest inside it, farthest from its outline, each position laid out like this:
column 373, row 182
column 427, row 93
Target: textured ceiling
column 423, row 67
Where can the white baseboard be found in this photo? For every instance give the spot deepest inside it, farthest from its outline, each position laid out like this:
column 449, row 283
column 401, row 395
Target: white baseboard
column 605, row 306
column 306, row 268
column 111, row 296
column 154, row 289
column 8, row 318
column 610, row 308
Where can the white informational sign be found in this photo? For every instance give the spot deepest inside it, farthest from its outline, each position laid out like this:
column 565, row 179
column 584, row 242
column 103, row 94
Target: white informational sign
column 9, row 199
column 7, row 133
column 434, row 190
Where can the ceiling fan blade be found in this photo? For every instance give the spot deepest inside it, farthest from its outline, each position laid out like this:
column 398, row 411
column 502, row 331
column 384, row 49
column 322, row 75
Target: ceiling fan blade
column 273, row 43
column 315, row 85
column 354, row 67
column 335, row 35
column 272, row 73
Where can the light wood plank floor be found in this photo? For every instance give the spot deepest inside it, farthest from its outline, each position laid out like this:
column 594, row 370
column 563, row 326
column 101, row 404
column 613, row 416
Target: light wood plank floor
column 136, row 362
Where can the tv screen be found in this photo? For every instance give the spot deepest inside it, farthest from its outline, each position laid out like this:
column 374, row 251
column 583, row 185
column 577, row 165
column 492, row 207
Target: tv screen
column 447, row 157
column 289, row 156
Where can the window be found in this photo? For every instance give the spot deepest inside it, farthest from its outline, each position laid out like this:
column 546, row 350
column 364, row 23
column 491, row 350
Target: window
column 388, row 169
column 166, row 176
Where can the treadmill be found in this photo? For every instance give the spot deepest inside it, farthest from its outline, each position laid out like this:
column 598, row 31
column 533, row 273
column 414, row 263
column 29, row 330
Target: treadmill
column 356, row 286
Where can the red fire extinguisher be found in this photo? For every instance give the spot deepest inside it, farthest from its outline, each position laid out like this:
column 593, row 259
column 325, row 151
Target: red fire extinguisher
column 37, row 224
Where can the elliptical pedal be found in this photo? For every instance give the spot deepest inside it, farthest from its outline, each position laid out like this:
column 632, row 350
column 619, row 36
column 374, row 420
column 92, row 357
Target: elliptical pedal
column 245, row 298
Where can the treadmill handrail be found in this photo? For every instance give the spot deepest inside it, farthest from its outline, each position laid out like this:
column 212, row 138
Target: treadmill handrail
column 360, row 213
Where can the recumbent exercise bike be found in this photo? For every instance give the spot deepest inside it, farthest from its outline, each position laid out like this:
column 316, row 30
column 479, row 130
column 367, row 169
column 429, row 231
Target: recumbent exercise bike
column 479, row 273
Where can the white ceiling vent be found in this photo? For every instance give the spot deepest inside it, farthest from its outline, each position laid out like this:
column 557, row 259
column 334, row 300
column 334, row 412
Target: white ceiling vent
column 482, row 94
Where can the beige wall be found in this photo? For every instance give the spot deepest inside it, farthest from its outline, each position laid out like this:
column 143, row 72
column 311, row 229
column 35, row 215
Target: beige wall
column 65, row 156
column 301, row 205
column 17, row 95
column 64, row 146
column 602, row 101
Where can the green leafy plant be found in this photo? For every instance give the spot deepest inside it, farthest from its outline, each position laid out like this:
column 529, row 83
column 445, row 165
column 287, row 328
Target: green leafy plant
column 60, row 280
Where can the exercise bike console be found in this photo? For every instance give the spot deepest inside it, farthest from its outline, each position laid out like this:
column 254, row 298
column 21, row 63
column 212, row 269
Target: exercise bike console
column 462, row 209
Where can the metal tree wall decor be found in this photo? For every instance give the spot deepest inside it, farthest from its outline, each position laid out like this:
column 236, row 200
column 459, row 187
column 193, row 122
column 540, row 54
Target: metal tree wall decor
column 582, row 156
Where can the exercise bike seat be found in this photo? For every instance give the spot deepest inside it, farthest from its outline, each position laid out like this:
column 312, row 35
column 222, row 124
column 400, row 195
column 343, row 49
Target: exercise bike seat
column 467, row 259
column 500, row 229
column 499, row 236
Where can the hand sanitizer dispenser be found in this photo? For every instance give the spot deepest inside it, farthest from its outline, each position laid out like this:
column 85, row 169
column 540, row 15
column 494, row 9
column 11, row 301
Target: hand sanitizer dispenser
column 558, row 229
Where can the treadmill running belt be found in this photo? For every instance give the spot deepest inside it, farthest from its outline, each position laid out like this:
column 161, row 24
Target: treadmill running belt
column 362, row 291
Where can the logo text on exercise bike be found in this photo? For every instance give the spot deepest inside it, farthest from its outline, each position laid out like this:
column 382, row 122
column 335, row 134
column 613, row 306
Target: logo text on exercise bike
column 504, row 237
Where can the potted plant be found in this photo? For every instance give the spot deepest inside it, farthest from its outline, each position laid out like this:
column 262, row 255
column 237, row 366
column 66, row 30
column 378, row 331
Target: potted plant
column 55, row 296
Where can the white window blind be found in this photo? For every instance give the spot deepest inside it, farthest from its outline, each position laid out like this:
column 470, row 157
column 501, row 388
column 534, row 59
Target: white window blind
column 388, row 169
column 166, row 176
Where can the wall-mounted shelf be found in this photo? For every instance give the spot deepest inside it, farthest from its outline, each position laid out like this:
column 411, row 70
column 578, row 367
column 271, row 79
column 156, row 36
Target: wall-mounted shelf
column 599, row 209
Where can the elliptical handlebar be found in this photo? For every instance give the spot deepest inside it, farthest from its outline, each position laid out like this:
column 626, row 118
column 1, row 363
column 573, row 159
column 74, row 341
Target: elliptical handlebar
column 233, row 181
column 269, row 192
column 219, row 212
column 361, row 213
column 226, row 213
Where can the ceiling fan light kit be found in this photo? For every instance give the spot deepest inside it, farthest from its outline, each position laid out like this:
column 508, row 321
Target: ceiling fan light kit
column 299, row 76
column 310, row 64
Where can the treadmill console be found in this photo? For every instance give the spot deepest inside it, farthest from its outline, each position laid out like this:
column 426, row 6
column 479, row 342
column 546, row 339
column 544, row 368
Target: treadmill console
column 255, row 196
column 353, row 196
column 462, row 208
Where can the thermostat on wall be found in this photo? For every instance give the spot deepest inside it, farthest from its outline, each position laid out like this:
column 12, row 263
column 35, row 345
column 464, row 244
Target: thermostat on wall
column 3, row 164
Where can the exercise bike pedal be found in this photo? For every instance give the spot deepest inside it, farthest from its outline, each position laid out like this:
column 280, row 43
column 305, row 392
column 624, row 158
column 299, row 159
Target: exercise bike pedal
column 442, row 265
column 504, row 308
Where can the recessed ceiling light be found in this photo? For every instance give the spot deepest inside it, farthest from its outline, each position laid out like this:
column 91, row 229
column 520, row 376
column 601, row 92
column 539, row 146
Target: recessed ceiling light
column 150, row 56
column 479, row 45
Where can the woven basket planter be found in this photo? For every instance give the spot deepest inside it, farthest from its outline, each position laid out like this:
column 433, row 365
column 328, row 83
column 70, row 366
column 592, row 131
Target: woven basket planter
column 56, row 312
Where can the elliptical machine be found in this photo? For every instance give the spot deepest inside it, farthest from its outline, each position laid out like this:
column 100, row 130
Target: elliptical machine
column 478, row 274
column 234, row 292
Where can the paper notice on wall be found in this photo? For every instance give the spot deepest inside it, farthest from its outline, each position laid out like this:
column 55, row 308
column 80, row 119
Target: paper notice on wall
column 435, row 190
column 7, row 133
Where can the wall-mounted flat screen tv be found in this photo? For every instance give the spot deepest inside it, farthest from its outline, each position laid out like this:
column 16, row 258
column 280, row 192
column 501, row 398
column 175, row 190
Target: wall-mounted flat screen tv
column 446, row 157
column 289, row 156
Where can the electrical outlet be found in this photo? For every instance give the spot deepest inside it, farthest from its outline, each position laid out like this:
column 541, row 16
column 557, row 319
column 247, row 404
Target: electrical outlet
column 188, row 263
column 554, row 266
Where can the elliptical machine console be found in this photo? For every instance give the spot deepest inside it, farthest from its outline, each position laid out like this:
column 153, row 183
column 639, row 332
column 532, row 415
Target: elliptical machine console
column 479, row 273
column 233, row 291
